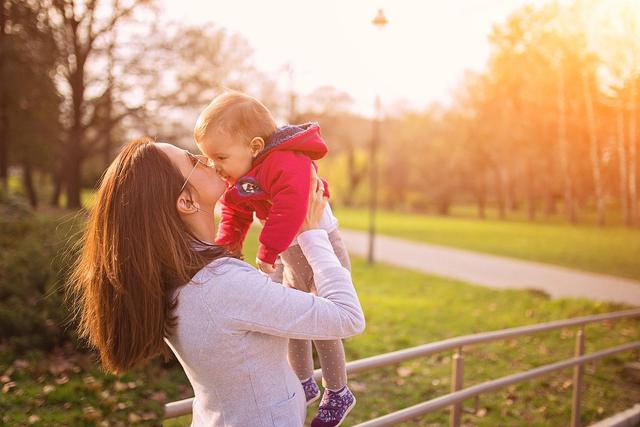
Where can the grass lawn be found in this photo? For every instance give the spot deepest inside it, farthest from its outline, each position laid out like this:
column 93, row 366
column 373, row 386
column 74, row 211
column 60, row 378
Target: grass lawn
column 405, row 309
column 612, row 250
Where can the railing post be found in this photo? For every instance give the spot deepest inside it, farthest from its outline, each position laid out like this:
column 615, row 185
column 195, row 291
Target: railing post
column 457, row 376
column 578, row 371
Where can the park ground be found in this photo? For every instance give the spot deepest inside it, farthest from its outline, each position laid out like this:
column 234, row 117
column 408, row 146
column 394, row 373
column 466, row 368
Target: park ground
column 403, row 309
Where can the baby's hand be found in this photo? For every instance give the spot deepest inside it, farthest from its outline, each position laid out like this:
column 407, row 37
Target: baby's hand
column 265, row 267
column 235, row 249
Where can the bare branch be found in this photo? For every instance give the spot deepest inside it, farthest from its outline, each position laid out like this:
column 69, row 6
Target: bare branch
column 114, row 20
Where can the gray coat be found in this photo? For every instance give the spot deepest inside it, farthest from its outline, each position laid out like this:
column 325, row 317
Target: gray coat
column 232, row 333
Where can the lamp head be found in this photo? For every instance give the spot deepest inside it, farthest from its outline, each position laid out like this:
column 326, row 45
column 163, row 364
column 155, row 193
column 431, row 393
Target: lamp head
column 380, row 20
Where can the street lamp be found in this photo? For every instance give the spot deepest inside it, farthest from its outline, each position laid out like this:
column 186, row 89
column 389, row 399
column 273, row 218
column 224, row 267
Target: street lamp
column 379, row 21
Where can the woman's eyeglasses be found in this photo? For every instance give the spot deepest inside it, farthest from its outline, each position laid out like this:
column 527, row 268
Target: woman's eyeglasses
column 196, row 159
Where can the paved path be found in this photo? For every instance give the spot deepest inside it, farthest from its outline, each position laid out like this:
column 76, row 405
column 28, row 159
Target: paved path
column 496, row 271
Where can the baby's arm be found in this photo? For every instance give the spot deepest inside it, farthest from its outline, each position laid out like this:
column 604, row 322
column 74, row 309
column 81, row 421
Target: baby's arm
column 235, row 221
column 287, row 182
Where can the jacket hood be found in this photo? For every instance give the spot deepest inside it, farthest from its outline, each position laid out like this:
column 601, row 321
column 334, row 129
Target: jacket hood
column 304, row 138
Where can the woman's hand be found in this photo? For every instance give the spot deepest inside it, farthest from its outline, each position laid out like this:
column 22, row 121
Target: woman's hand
column 317, row 203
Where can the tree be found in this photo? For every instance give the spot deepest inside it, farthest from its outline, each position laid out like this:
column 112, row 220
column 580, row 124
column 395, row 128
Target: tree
column 182, row 70
column 30, row 102
column 346, row 133
column 81, row 31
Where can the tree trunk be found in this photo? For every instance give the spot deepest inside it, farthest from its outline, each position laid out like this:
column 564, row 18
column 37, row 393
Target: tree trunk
column 550, row 207
column 511, row 201
column 633, row 155
column 75, row 140
column 593, row 149
column 481, row 194
column 501, row 191
column 108, row 133
column 349, row 193
column 27, row 182
column 72, row 179
column 56, row 178
column 4, row 120
column 444, row 206
column 531, row 191
column 355, row 176
column 622, row 163
column 563, row 149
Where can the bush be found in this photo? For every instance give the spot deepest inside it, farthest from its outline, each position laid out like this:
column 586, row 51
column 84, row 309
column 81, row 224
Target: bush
column 34, row 258
column 12, row 207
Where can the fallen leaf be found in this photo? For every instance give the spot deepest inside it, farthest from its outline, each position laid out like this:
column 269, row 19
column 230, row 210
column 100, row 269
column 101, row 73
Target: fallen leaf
column 357, row 386
column 62, row 380
column 21, row 364
column 33, row 419
column 91, row 383
column 8, row 386
column 90, row 413
column 404, row 372
column 119, row 386
column 48, row 389
column 59, row 365
column 481, row 412
column 147, row 416
column 134, row 418
column 161, row 396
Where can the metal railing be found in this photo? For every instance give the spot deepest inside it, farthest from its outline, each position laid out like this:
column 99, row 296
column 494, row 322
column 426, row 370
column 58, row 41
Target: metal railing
column 458, row 393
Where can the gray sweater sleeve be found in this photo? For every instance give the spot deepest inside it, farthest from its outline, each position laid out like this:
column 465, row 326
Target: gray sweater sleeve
column 250, row 301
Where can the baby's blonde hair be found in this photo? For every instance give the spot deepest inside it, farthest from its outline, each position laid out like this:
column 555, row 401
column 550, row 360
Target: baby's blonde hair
column 235, row 113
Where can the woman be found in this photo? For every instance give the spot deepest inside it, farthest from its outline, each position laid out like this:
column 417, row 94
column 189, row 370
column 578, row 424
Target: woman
column 148, row 275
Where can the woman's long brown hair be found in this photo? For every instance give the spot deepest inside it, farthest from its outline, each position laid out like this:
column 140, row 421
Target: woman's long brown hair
column 135, row 253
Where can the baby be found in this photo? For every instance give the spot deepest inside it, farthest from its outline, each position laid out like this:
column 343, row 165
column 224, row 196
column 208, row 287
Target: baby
column 267, row 171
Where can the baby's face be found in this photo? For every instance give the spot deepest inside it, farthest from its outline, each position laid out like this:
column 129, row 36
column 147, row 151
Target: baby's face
column 231, row 156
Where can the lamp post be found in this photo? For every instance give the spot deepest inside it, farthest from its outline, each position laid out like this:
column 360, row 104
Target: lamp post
column 379, row 21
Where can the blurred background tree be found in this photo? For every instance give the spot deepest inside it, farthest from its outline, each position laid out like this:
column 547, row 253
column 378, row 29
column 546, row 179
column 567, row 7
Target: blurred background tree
column 29, row 100
column 549, row 126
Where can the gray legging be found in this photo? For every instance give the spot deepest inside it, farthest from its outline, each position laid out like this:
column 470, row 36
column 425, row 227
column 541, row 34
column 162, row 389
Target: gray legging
column 295, row 272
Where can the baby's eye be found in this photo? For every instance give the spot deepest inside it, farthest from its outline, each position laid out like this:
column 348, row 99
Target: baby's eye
column 221, row 158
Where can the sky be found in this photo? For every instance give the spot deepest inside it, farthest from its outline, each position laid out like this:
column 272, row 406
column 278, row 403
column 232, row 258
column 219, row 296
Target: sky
column 416, row 59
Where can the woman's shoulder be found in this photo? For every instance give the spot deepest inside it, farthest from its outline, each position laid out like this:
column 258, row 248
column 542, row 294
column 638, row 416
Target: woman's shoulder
column 222, row 266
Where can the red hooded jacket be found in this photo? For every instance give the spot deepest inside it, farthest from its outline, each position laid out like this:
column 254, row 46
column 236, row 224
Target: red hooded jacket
column 276, row 189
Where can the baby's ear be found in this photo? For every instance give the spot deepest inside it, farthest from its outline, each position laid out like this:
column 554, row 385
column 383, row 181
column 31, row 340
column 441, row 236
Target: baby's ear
column 256, row 145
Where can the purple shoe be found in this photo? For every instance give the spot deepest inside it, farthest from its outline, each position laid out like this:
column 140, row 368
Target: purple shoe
column 334, row 407
column 311, row 390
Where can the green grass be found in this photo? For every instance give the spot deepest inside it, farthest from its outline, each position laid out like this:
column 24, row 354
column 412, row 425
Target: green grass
column 611, row 250
column 69, row 388
column 405, row 309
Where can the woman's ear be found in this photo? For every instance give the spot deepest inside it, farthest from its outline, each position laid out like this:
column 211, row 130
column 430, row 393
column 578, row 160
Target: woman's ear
column 185, row 205
column 256, row 146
